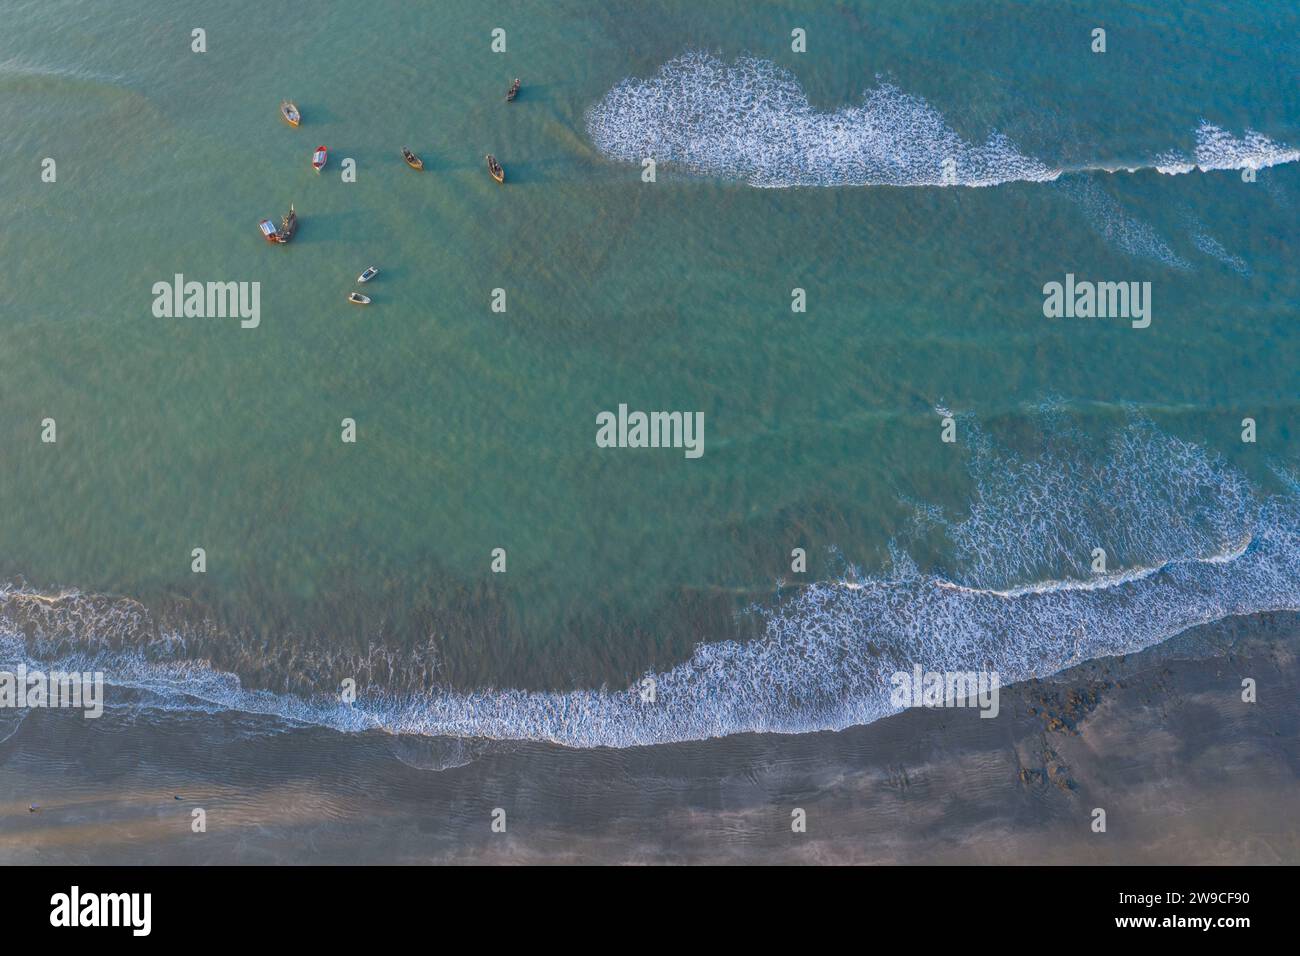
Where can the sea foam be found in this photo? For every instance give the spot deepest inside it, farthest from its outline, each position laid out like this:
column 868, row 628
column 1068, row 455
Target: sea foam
column 750, row 119
column 1190, row 542
column 1218, row 149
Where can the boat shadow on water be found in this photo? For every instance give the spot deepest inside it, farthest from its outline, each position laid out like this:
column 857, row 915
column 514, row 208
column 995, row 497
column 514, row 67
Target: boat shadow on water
column 327, row 227
column 373, row 160
column 534, row 171
column 535, row 93
column 389, row 276
column 315, row 115
column 519, row 172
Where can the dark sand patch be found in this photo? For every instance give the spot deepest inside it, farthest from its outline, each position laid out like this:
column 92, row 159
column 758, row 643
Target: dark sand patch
column 1186, row 772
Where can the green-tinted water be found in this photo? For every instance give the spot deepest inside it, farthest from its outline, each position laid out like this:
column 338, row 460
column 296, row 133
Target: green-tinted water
column 476, row 429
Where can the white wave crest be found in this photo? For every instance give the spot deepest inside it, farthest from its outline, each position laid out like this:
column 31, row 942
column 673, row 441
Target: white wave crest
column 1199, row 544
column 1173, row 164
column 1216, row 148
column 751, row 120
column 824, row 663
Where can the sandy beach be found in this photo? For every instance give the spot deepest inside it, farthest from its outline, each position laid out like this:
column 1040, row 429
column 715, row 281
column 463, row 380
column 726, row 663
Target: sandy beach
column 1186, row 772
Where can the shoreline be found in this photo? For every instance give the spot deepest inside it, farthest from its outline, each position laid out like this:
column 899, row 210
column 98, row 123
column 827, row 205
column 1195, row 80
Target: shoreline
column 1187, row 772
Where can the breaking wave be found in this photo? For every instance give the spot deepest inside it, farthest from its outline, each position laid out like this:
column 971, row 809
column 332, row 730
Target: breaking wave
column 751, row 120
column 1218, row 149
column 1189, row 541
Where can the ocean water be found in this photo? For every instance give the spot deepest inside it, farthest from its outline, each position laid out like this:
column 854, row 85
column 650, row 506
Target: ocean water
column 921, row 171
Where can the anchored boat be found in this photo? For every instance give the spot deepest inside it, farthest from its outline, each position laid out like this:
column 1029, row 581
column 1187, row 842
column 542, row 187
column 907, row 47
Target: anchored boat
column 288, row 225
column 290, row 113
column 513, row 91
column 369, row 274
column 319, row 158
column 356, row 298
column 494, row 168
column 415, row 162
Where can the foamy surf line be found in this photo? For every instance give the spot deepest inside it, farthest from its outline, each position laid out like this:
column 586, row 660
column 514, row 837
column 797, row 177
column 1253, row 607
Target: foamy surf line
column 1200, row 544
column 824, row 663
column 1099, row 582
column 750, row 120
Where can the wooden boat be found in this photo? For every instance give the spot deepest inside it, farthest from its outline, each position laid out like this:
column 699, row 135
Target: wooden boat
column 356, row 298
column 369, row 274
column 319, row 158
column 288, row 225
column 510, row 93
column 290, row 113
column 494, row 168
column 415, row 162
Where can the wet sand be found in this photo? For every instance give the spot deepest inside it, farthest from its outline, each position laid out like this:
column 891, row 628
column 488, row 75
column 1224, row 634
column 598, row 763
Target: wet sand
column 1186, row 772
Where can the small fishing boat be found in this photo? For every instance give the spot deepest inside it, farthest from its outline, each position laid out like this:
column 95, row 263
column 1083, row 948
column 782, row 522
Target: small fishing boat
column 494, row 168
column 415, row 162
column 510, row 93
column 288, row 225
column 290, row 113
column 356, row 298
column 369, row 274
column 319, row 158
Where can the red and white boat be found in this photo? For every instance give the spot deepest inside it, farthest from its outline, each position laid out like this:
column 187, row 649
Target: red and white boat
column 318, row 158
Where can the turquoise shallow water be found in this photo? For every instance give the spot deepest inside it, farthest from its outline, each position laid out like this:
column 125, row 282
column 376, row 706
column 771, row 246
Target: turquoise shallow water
column 476, row 429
